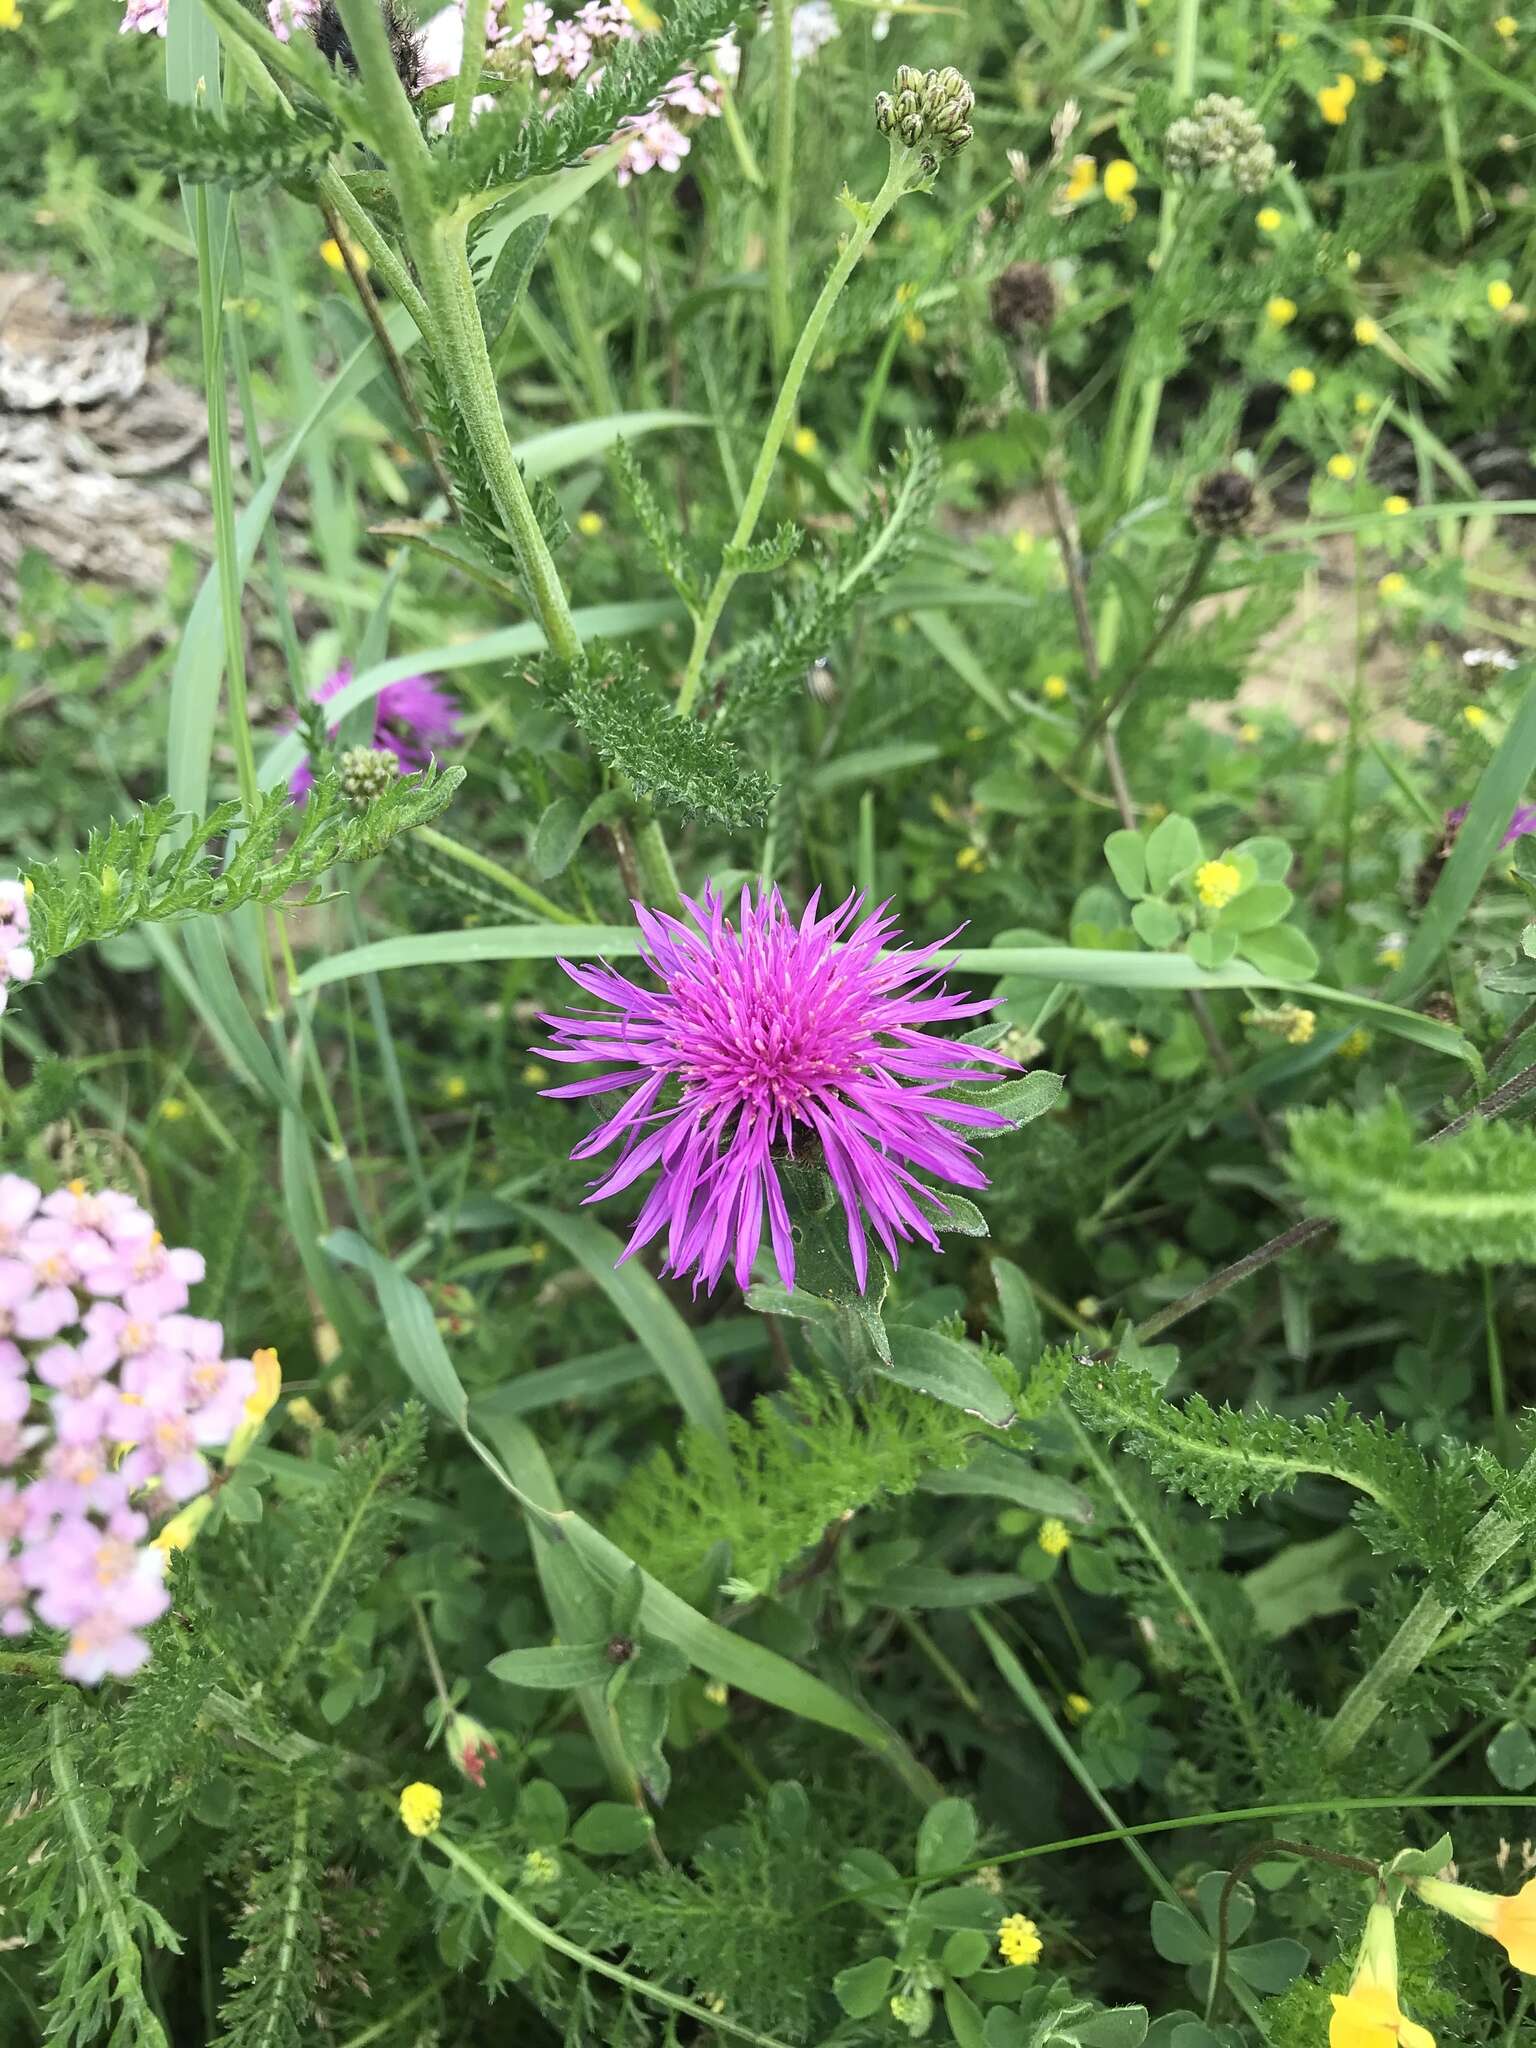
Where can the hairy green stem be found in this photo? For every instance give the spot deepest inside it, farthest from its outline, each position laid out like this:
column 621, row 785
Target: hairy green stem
column 903, row 174
column 438, row 246
column 337, row 194
column 471, row 63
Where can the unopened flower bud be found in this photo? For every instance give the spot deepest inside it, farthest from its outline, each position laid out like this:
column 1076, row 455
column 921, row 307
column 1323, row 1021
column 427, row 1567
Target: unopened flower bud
column 366, row 773
column 1023, row 297
column 1221, row 135
column 1222, row 504
column 470, row 1746
column 927, row 107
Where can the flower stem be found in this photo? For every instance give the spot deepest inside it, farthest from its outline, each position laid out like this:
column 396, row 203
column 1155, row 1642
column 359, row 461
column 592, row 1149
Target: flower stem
column 783, row 166
column 470, row 64
column 903, row 173
column 438, row 246
column 469, row 857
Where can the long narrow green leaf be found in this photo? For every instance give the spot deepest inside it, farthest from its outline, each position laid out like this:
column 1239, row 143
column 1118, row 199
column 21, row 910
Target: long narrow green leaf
column 413, row 1333
column 199, row 671
column 600, row 1373
column 478, row 943
column 564, row 447
column 597, row 622
column 946, row 641
column 639, row 1300
column 1499, row 790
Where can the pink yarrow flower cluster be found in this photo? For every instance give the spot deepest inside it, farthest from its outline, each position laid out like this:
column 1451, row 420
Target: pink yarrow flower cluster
column 410, row 719
column 768, row 1039
column 110, row 1393
column 15, row 929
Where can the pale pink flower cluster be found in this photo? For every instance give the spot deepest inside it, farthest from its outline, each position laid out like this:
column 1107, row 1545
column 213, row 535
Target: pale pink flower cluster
column 144, row 17
column 15, row 928
column 287, row 15
column 109, row 1394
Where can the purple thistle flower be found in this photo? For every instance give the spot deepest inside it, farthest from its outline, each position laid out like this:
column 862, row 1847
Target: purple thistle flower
column 776, row 1035
column 1521, row 825
column 408, row 717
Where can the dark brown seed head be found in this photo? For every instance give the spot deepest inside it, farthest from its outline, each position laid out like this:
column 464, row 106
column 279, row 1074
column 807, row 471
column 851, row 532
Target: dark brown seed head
column 620, row 1649
column 335, row 45
column 1222, row 504
column 1022, row 298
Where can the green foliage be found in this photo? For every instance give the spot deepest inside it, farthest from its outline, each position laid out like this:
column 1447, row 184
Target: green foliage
column 145, row 870
column 505, row 147
column 246, row 147
column 802, row 1461
column 270, row 1984
column 479, row 514
column 1464, row 1200
column 679, row 764
column 753, row 1923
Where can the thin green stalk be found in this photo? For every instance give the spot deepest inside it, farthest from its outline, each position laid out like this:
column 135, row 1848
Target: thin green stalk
column 782, row 145
column 336, row 193
column 271, row 546
column 1220, row 1662
column 582, row 328
column 388, row 2028
column 125, row 1961
column 482, row 864
column 585, row 1959
column 1498, row 1399
column 899, row 179
column 471, row 63
column 1352, row 748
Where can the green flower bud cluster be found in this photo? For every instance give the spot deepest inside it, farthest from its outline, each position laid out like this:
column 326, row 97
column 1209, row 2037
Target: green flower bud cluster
column 366, row 773
column 932, row 107
column 1221, row 134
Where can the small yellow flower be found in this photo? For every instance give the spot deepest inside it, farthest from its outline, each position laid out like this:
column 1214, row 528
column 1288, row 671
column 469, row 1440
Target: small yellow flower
column 24, row 642
column 1280, row 312
column 10, row 14
column 302, row 1410
column 1055, row 1537
column 1023, row 542
column 1119, row 180
column 332, row 258
column 455, row 1087
column 1365, row 401
column 1054, row 688
column 1138, row 1045
column 1301, row 380
column 173, row 1109
column 1392, row 585
column 906, row 293
column 975, row 732
column 804, row 441
column 1248, row 732
column 534, row 1075
column 643, row 16
column 1507, row 27
column 1078, row 1706
column 1018, row 1940
column 589, row 523
column 1268, row 218
column 1082, row 180
column 540, row 1870
column 717, row 1692
column 1217, row 882
column 1390, row 957
column 1367, row 333
column 1300, row 1025
column 421, row 1808
column 1162, row 49
column 1342, row 467
column 1396, row 505
column 1333, row 103
column 915, row 329
column 1352, row 261
column 1511, row 1920
column 1501, row 293
column 1286, row 39
column 1356, row 1045
column 1475, row 716
column 970, row 860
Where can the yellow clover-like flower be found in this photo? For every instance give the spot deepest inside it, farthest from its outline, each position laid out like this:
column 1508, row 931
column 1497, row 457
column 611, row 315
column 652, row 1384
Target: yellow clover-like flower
column 1268, row 219
column 1397, row 505
column 1333, row 101
column 1217, row 882
column 1393, row 584
column 1054, row 688
column 1342, row 467
column 1301, row 381
column 1367, row 333
column 1501, row 293
column 1018, row 1940
column 1054, row 1537
column 1510, row 1919
column 421, row 1808
column 1081, row 180
column 1280, row 311
column 1119, row 180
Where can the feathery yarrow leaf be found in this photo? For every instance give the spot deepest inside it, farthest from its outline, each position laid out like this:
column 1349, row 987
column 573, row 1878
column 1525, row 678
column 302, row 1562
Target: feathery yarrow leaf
column 130, row 874
column 1465, row 1200
column 246, row 146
